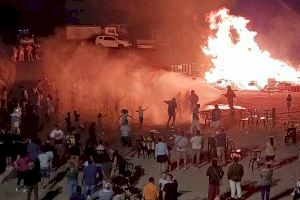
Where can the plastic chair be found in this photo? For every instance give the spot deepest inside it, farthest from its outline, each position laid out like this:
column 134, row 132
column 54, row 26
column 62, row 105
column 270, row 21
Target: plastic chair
column 244, row 118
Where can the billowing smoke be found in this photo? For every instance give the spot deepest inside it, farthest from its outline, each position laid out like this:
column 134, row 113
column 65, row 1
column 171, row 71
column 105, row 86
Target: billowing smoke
column 175, row 22
column 107, row 81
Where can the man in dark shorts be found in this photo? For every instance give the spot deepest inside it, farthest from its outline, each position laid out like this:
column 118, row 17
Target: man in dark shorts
column 161, row 154
column 31, row 179
column 45, row 167
column 125, row 137
column 172, row 105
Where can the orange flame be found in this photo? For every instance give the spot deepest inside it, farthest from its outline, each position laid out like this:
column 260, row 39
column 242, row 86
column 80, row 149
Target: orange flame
column 237, row 58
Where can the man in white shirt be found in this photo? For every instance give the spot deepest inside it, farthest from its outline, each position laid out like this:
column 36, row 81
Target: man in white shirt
column 161, row 183
column 161, row 154
column 197, row 144
column 45, row 160
column 58, row 137
column 181, row 143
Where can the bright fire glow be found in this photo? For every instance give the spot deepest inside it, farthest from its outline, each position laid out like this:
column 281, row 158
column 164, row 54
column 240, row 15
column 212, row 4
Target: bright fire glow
column 237, row 58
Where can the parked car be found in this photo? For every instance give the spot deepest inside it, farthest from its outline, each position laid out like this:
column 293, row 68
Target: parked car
column 111, row 41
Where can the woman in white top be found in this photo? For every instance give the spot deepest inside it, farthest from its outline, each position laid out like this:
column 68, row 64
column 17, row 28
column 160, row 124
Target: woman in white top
column 270, row 150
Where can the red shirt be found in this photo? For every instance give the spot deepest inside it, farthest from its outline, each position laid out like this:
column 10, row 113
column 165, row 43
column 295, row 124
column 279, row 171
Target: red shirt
column 22, row 164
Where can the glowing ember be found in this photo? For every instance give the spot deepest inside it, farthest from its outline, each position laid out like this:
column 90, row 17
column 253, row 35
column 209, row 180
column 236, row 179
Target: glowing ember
column 237, row 58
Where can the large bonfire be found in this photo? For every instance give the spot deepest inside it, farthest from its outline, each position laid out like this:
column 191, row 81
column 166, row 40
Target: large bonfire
column 237, row 58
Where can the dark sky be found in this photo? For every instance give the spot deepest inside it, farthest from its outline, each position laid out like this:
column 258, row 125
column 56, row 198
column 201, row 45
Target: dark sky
column 274, row 20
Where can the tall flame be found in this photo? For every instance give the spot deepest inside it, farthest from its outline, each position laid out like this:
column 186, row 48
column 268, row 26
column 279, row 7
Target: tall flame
column 237, row 58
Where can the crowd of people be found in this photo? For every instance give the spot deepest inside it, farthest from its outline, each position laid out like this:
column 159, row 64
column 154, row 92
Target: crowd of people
column 29, row 52
column 106, row 173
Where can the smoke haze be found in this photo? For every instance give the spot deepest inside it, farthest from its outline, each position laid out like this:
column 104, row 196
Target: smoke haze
column 107, row 83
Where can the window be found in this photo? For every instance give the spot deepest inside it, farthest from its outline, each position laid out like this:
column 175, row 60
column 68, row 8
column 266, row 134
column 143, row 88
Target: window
column 109, row 38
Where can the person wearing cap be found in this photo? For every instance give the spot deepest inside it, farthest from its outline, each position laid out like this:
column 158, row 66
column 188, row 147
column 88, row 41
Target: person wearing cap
column 215, row 174
column 266, row 174
column 235, row 174
column 150, row 190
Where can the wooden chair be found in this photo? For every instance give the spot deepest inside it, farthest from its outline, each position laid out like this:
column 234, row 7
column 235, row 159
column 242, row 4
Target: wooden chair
column 254, row 158
column 261, row 118
column 253, row 115
column 268, row 115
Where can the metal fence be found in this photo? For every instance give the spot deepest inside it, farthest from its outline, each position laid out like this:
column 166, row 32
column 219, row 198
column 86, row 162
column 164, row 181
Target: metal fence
column 191, row 69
